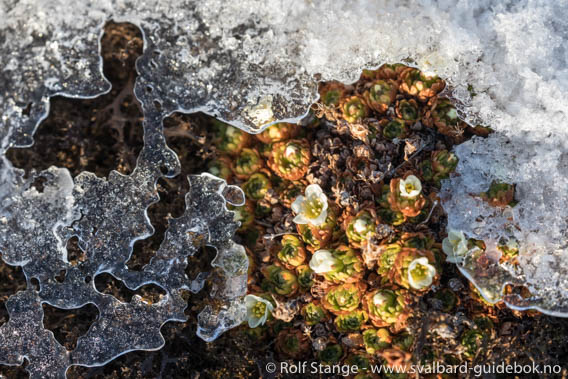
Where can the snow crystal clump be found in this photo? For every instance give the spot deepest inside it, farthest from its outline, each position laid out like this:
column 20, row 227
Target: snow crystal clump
column 537, row 224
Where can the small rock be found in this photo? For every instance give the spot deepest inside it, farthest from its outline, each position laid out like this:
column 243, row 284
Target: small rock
column 353, row 340
column 319, row 330
column 436, row 303
column 319, row 343
column 287, row 310
column 455, row 284
column 444, row 330
column 506, row 329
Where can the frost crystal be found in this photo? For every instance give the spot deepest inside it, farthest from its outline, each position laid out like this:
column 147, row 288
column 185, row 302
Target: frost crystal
column 255, row 62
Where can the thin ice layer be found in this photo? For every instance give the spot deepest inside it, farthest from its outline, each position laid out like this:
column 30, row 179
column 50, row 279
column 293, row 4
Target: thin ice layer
column 252, row 62
column 107, row 216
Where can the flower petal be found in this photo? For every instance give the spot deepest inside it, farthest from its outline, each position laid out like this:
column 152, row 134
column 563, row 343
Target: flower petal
column 301, row 219
column 313, row 190
column 447, row 246
column 269, row 306
column 427, row 280
column 360, row 225
column 379, row 299
column 251, row 300
column 461, row 249
column 320, row 219
column 322, row 261
column 254, row 321
column 415, row 184
column 456, row 236
column 323, row 198
column 297, row 204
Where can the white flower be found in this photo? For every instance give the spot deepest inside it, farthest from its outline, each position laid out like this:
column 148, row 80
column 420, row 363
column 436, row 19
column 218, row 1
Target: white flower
column 379, row 299
column 410, row 187
column 290, row 151
column 360, row 226
column 455, row 246
column 420, row 273
column 258, row 310
column 323, row 261
column 311, row 209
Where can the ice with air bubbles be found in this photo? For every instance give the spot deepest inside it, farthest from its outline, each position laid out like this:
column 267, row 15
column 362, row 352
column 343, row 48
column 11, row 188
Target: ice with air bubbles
column 253, row 63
